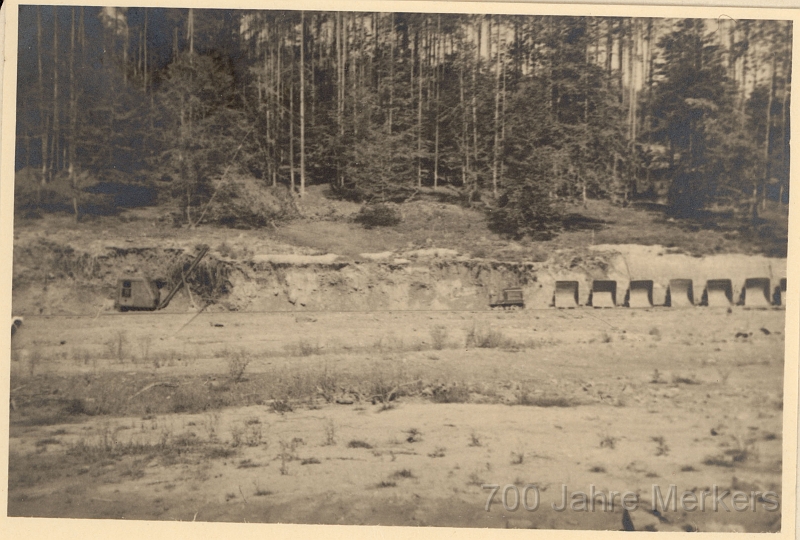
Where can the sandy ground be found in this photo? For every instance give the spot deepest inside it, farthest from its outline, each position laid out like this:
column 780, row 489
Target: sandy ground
column 652, row 397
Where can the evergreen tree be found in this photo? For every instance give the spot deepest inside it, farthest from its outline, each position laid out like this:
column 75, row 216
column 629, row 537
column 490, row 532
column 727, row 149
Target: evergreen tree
column 691, row 95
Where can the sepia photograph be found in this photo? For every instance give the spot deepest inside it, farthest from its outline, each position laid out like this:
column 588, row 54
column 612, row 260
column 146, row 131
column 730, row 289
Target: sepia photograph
column 472, row 266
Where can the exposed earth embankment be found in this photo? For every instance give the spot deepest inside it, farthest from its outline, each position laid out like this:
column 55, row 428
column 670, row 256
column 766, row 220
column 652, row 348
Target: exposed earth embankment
column 54, row 278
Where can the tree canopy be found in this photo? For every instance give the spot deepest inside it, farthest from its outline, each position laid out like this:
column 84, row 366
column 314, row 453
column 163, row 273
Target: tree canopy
column 519, row 114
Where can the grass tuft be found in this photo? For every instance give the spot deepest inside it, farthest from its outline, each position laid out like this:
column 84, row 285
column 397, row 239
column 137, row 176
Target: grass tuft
column 359, row 444
column 450, row 394
column 474, row 439
column 439, row 452
column 527, row 396
column 403, row 473
column 608, row 442
column 237, row 364
column 661, row 446
column 386, row 484
column 482, row 338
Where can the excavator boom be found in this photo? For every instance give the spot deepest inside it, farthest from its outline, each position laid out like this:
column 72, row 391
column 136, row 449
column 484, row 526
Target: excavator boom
column 186, row 274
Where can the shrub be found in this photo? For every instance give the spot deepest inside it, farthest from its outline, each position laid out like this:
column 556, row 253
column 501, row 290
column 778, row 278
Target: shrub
column 403, row 473
column 242, row 202
column 682, row 379
column 387, row 484
column 237, row 364
column 58, row 194
column 218, row 452
column 117, row 347
column 281, row 406
column 379, row 215
column 526, row 208
column 47, row 441
column 75, row 407
column 451, row 394
column 527, row 396
column 253, row 435
column 661, row 446
column 359, row 444
column 330, row 433
column 489, row 339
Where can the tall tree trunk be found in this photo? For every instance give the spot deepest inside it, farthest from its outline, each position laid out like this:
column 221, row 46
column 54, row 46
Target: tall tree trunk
column 413, row 58
column 438, row 95
column 303, row 105
column 56, row 135
column 354, row 78
column 609, row 46
column 631, row 42
column 291, row 135
column 636, row 59
column 475, row 67
column 137, row 66
column 614, row 173
column 429, row 52
column 620, row 70
column 464, row 139
column 339, row 72
column 743, row 86
column 343, row 79
column 586, row 75
column 182, row 157
column 269, row 98
column 43, row 115
column 647, row 81
column 768, row 133
column 144, row 80
column 496, row 157
column 188, row 129
column 82, row 38
column 279, row 106
column 375, row 71
column 730, row 56
column 190, row 32
column 554, row 59
column 585, row 107
column 314, row 39
column 647, row 55
column 502, row 111
column 125, row 46
column 73, row 119
column 785, row 149
column 144, row 54
column 392, row 39
column 418, row 49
